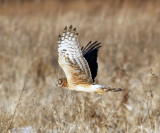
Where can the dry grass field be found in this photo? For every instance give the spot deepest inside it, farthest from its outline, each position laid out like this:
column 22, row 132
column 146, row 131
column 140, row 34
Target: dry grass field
column 129, row 58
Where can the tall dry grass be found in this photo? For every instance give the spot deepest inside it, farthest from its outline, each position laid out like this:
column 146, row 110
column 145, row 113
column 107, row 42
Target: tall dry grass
column 130, row 34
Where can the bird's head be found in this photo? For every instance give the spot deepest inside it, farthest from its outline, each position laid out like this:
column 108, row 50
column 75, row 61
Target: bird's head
column 62, row 82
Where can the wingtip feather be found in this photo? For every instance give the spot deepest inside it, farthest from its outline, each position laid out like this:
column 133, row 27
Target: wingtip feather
column 65, row 28
column 70, row 28
column 59, row 37
column 74, row 30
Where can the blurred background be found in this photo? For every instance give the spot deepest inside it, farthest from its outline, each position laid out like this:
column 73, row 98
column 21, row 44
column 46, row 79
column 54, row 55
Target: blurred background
column 129, row 31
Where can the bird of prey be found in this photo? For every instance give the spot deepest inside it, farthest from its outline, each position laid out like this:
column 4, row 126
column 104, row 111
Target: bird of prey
column 79, row 64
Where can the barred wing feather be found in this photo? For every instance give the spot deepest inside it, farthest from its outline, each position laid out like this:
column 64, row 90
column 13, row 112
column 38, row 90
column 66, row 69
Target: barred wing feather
column 71, row 59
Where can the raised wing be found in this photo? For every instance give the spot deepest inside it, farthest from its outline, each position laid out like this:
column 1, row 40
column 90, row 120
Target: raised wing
column 90, row 53
column 71, row 59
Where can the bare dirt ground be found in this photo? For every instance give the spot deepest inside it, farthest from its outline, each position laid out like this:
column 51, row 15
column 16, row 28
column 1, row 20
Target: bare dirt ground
column 129, row 58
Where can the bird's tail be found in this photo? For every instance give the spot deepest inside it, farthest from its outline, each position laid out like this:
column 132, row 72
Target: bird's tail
column 103, row 90
column 112, row 89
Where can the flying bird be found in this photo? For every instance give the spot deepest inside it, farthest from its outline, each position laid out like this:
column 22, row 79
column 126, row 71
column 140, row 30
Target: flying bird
column 79, row 63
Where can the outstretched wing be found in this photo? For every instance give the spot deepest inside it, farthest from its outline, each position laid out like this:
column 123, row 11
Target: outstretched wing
column 71, row 59
column 90, row 53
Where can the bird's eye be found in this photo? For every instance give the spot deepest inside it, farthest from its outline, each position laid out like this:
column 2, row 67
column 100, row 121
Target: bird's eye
column 59, row 81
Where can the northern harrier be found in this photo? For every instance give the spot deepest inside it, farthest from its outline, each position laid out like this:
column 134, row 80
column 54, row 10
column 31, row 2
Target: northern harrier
column 79, row 64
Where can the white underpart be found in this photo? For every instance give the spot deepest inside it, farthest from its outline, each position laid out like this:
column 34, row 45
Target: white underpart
column 92, row 88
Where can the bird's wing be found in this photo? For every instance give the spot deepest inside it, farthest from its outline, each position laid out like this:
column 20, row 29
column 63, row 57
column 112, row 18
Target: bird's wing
column 90, row 53
column 71, row 59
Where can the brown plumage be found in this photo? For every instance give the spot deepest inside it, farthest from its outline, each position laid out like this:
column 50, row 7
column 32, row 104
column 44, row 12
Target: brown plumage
column 79, row 64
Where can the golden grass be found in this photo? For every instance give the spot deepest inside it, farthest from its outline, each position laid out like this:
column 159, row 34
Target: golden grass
column 130, row 35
